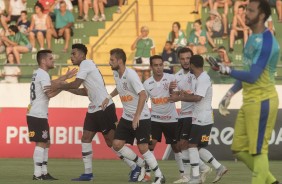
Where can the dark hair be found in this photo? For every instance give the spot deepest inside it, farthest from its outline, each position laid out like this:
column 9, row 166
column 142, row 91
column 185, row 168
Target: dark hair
column 41, row 55
column 198, row 21
column 155, row 57
column 221, row 47
column 184, row 50
column 39, row 5
column 7, row 61
column 24, row 11
column 170, row 42
column 119, row 54
column 14, row 28
column 173, row 33
column 81, row 47
column 264, row 8
column 197, row 61
column 241, row 6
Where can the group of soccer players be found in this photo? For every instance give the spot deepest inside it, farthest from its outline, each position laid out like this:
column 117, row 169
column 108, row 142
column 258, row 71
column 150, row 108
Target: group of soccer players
column 188, row 132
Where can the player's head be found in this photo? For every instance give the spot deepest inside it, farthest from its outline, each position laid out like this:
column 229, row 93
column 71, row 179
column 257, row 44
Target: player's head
column 257, row 12
column 45, row 59
column 157, row 65
column 117, row 58
column 78, row 53
column 196, row 63
column 184, row 54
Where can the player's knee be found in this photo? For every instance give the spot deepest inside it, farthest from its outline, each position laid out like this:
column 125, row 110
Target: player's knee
column 117, row 145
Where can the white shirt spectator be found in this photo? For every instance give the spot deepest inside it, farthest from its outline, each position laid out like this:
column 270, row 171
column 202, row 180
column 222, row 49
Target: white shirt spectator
column 17, row 6
column 11, row 74
column 2, row 7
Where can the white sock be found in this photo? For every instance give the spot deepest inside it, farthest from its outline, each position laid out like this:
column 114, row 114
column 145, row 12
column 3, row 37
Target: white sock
column 45, row 161
column 208, row 157
column 38, row 160
column 152, row 162
column 186, row 162
column 178, row 158
column 87, row 154
column 128, row 162
column 194, row 161
column 129, row 154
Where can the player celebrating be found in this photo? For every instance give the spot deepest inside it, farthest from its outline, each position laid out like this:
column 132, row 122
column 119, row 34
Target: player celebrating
column 257, row 116
column 37, row 114
column 202, row 120
column 135, row 121
column 97, row 119
column 163, row 115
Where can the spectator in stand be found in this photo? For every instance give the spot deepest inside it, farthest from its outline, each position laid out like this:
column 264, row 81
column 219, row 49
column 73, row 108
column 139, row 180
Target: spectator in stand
column 239, row 29
column 177, row 36
column 23, row 23
column 222, row 4
column 14, row 12
column 269, row 24
column 240, row 3
column 2, row 7
column 99, row 7
column 169, row 57
column 197, row 41
column 40, row 23
column 205, row 3
column 17, row 43
column 145, row 48
column 215, row 27
column 10, row 72
column 120, row 3
column 279, row 10
column 63, row 26
column 68, row 3
column 47, row 7
column 80, row 10
column 223, row 56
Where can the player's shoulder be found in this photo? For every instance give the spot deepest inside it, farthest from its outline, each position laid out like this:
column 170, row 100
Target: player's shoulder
column 179, row 73
column 148, row 81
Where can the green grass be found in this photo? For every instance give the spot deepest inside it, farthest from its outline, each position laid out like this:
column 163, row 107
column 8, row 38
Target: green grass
column 113, row 171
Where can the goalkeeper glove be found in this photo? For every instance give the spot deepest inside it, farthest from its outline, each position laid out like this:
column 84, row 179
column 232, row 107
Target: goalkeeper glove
column 222, row 107
column 223, row 69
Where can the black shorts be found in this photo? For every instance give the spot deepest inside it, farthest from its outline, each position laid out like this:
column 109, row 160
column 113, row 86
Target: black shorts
column 184, row 128
column 200, row 135
column 35, row 31
column 14, row 18
column 169, row 130
column 101, row 121
column 38, row 129
column 240, row 35
column 125, row 131
column 57, row 31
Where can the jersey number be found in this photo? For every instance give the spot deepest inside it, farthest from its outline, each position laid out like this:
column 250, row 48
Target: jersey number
column 32, row 91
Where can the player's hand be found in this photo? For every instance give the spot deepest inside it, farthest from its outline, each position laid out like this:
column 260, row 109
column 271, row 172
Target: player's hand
column 104, row 104
column 224, row 103
column 172, row 85
column 135, row 122
column 71, row 73
column 224, row 69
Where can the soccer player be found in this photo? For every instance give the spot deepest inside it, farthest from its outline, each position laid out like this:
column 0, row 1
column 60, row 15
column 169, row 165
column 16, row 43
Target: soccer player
column 135, row 121
column 97, row 119
column 163, row 115
column 257, row 116
column 202, row 121
column 37, row 113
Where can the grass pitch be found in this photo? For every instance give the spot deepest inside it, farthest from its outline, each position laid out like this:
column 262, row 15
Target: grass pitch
column 14, row 171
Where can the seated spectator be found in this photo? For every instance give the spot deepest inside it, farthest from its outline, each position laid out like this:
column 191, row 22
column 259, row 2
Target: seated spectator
column 2, row 7
column 68, row 3
column 222, row 4
column 47, row 7
column 120, row 3
column 63, row 26
column 14, row 13
column 80, row 10
column 10, row 72
column 223, row 56
column 239, row 29
column 205, row 3
column 98, row 6
column 177, row 36
column 269, row 24
column 40, row 23
column 240, row 3
column 279, row 10
column 169, row 57
column 16, row 43
column 145, row 48
column 23, row 23
column 215, row 27
column 197, row 41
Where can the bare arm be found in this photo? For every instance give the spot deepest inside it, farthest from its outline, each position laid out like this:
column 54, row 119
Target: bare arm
column 133, row 46
column 79, row 91
column 140, row 106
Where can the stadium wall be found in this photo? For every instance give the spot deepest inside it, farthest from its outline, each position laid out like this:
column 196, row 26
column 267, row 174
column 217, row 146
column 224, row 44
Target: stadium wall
column 66, row 115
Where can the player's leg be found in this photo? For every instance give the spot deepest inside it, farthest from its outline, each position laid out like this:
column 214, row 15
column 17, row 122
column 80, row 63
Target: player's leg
column 143, row 138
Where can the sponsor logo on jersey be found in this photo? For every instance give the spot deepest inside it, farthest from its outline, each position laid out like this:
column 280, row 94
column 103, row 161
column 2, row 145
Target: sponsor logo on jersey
column 126, row 98
column 124, row 86
column 158, row 101
column 161, row 117
column 166, row 86
column 151, row 82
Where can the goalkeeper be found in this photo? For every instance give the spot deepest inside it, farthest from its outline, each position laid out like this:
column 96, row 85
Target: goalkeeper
column 257, row 116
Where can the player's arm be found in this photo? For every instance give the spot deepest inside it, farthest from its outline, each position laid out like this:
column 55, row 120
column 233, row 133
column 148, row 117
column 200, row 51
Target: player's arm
column 79, row 91
column 185, row 98
column 141, row 102
column 69, row 74
column 110, row 96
